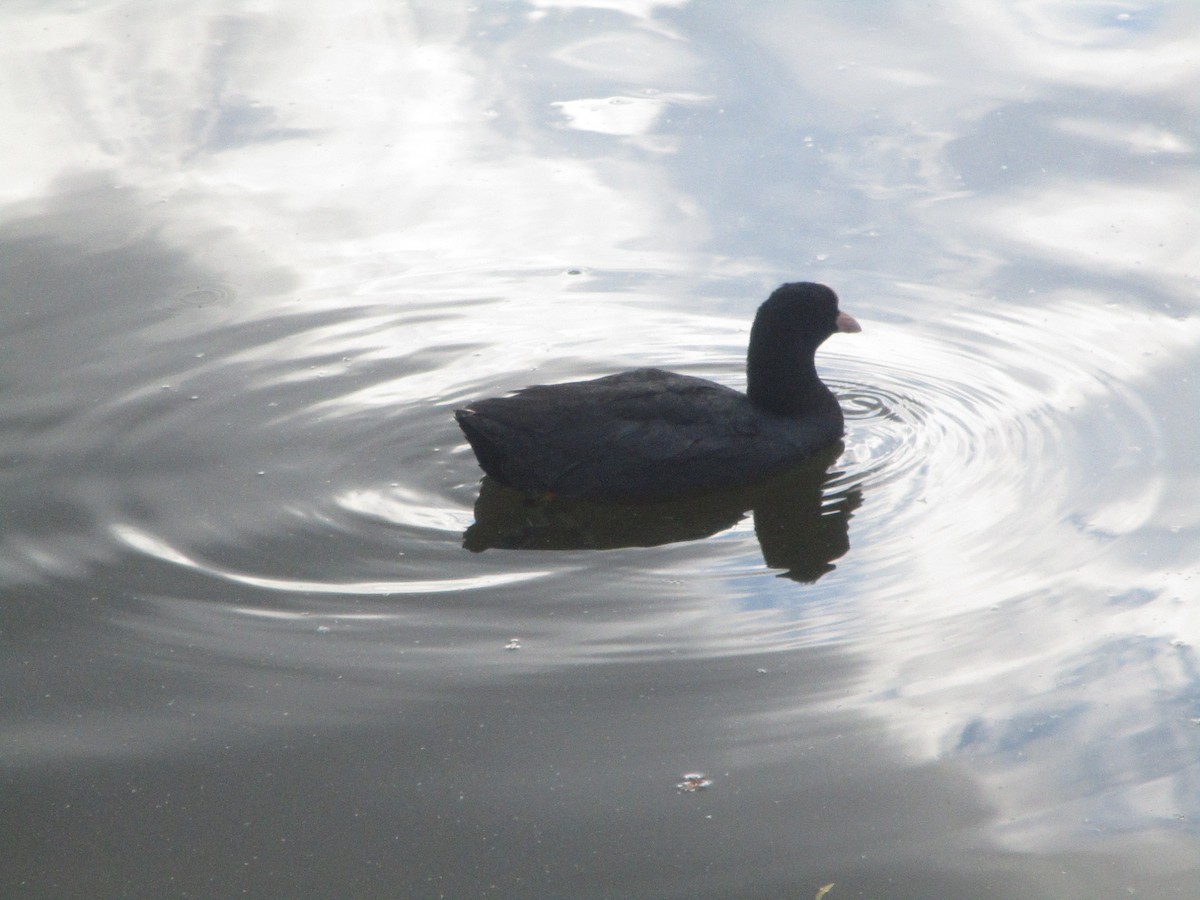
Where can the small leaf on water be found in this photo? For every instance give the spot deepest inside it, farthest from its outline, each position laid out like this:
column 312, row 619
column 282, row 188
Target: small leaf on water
column 694, row 781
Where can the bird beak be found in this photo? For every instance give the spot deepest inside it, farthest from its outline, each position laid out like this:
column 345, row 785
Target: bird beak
column 847, row 323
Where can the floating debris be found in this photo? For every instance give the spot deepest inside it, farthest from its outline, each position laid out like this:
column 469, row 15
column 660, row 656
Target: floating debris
column 513, row 644
column 825, row 890
column 694, row 781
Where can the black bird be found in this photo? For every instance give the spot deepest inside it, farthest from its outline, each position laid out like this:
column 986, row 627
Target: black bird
column 647, row 434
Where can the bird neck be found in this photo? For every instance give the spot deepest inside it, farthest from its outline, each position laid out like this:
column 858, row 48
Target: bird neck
column 794, row 391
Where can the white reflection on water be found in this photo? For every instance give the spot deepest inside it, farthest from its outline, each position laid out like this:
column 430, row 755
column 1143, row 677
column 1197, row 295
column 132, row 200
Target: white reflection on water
column 639, row 9
column 1024, row 567
column 1130, row 47
column 1141, row 138
column 153, row 546
column 351, row 152
column 1015, row 617
column 1108, row 228
column 633, row 117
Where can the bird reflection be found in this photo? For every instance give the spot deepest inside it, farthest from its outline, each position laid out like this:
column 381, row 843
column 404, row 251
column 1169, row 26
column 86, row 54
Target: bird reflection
column 802, row 526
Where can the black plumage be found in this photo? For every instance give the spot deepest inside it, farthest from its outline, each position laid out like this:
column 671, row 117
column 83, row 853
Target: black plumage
column 648, row 433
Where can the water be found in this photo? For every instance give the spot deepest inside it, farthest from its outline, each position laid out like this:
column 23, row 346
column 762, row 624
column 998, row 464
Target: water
column 260, row 639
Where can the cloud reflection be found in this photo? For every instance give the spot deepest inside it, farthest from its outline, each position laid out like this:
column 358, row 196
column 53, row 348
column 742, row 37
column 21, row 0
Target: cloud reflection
column 1019, row 524
column 1025, row 562
column 324, row 144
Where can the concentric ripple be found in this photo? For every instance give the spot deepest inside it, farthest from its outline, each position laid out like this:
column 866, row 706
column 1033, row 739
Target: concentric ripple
column 996, row 425
column 881, row 422
column 204, row 295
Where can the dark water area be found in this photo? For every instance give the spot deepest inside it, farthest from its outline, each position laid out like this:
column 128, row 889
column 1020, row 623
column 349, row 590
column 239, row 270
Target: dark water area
column 264, row 633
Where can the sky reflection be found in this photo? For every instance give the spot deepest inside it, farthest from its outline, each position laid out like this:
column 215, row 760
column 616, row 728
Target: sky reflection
column 254, row 254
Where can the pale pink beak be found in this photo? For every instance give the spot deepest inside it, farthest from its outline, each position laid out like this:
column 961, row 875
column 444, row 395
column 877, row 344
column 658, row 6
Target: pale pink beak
column 847, row 323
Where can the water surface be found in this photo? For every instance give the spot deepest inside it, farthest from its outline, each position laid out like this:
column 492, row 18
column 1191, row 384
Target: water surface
column 262, row 635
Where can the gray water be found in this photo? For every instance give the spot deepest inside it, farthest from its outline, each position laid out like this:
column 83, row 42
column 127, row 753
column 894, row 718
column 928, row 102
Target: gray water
column 258, row 637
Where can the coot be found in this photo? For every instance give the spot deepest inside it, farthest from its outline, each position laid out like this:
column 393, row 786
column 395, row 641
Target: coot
column 648, row 434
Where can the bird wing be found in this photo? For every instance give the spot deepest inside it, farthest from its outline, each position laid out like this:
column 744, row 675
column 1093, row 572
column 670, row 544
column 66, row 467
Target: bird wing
column 641, row 429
